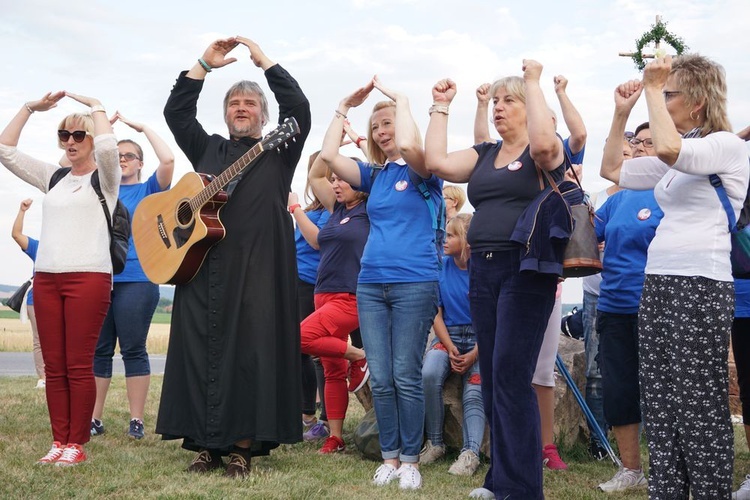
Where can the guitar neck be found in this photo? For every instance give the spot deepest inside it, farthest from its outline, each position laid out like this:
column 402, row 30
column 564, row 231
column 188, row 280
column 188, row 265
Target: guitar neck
column 216, row 185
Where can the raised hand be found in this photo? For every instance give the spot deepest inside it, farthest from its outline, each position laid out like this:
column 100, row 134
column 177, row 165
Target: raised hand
column 258, row 57
column 26, row 204
column 444, row 91
column 358, row 96
column 292, row 200
column 532, row 70
column 483, row 93
column 47, row 102
column 138, row 127
column 656, row 72
column 216, row 54
column 85, row 100
column 391, row 94
column 627, row 94
column 561, row 84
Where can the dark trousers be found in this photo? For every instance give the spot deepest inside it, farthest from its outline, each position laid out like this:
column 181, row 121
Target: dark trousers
column 741, row 350
column 510, row 311
column 312, row 381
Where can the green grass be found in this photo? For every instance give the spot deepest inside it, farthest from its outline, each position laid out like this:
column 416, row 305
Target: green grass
column 9, row 314
column 162, row 318
column 121, row 468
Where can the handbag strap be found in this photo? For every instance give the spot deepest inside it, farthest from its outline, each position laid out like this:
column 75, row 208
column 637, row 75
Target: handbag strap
column 724, row 197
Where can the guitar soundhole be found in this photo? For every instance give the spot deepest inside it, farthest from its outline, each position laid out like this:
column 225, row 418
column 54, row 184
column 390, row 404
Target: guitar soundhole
column 184, row 214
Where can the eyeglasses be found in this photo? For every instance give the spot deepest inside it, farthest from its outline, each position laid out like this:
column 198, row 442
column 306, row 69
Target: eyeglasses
column 629, row 135
column 128, row 156
column 668, row 94
column 647, row 143
column 78, row 135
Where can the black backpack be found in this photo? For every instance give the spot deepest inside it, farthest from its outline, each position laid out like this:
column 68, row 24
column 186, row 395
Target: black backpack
column 118, row 224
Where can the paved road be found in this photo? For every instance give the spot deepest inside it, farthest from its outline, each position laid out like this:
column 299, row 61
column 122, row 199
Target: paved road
column 16, row 364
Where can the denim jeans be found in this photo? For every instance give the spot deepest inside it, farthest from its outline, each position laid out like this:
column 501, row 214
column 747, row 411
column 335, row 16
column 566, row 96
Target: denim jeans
column 395, row 320
column 128, row 320
column 435, row 371
column 510, row 311
column 594, row 387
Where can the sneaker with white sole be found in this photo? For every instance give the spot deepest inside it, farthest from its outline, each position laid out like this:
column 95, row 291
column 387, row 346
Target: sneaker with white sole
column 431, row 452
column 136, row 430
column 481, row 493
column 465, row 465
column 743, row 493
column 625, row 479
column 359, row 372
column 97, row 427
column 53, row 454
column 41, row 383
column 384, row 475
column 73, row 454
column 409, row 477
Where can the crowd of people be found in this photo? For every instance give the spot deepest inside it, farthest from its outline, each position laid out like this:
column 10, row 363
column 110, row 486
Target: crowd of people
column 382, row 280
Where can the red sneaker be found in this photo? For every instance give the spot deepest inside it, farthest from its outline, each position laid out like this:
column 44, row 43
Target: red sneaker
column 359, row 372
column 72, row 455
column 53, row 454
column 332, row 444
column 552, row 459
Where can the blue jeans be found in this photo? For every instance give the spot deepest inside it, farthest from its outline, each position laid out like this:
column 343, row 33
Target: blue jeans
column 128, row 319
column 510, row 311
column 434, row 373
column 395, row 320
column 594, row 387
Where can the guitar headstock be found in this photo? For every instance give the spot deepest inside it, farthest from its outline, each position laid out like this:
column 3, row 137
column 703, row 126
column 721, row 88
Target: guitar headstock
column 281, row 134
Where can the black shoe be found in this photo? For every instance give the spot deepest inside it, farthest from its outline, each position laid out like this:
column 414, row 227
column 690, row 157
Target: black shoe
column 597, row 451
column 205, row 462
column 97, row 427
column 238, row 467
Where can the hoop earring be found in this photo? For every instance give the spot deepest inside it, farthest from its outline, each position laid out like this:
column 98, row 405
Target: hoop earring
column 695, row 119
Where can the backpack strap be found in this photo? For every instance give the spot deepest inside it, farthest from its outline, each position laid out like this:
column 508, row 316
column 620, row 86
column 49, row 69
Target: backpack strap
column 436, row 208
column 57, row 175
column 97, row 187
column 724, row 197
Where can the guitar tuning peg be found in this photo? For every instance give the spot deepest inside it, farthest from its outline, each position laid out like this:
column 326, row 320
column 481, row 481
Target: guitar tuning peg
column 294, row 139
column 286, row 145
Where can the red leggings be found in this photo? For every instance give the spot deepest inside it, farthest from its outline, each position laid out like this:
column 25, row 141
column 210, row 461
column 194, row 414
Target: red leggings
column 70, row 311
column 324, row 334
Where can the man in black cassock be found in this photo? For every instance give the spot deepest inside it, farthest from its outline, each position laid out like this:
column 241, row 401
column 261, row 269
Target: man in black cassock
column 232, row 375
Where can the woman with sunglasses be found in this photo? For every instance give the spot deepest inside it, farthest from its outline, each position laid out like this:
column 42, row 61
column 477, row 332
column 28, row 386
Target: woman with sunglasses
column 134, row 297
column 73, row 268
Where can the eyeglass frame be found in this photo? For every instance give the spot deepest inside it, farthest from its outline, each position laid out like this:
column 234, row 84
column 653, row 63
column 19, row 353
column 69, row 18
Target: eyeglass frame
column 636, row 141
column 68, row 134
column 133, row 156
column 669, row 94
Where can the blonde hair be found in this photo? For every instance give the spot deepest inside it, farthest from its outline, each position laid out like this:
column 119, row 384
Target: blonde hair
column 459, row 226
column 514, row 85
column 455, row 193
column 83, row 118
column 703, row 81
column 374, row 152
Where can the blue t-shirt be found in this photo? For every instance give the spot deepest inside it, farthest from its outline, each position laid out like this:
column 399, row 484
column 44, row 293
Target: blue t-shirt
column 454, row 293
column 575, row 158
column 401, row 247
column 342, row 241
column 741, row 298
column 31, row 249
column 307, row 257
column 131, row 195
column 626, row 223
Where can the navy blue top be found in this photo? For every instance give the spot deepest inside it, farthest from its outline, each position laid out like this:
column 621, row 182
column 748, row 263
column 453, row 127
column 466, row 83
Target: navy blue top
column 500, row 195
column 454, row 293
column 400, row 220
column 342, row 241
column 626, row 223
column 131, row 195
column 31, row 250
column 307, row 257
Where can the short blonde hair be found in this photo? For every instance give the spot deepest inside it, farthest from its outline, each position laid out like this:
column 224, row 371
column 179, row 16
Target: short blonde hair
column 702, row 80
column 459, row 226
column 84, row 118
column 455, row 193
column 374, row 152
column 514, row 85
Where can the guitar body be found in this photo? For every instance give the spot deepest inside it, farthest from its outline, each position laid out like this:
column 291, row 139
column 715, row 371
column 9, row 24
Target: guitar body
column 170, row 238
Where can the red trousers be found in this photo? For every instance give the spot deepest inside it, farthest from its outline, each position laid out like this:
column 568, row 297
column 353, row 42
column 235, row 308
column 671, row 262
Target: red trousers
column 70, row 311
column 325, row 334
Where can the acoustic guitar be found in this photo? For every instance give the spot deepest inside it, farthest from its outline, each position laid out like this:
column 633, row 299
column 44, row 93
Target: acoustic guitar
column 174, row 230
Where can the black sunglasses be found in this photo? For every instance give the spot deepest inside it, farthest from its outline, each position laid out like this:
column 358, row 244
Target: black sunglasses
column 78, row 135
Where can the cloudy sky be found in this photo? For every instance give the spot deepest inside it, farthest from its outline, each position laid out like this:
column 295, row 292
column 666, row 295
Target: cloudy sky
column 128, row 55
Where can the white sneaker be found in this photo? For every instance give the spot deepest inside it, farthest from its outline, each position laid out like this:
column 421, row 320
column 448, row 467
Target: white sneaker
column 744, row 492
column 465, row 465
column 625, row 479
column 409, row 477
column 430, row 453
column 481, row 493
column 41, row 384
column 384, row 475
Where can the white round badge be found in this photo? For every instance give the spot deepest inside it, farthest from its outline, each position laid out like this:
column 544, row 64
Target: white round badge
column 344, row 220
column 401, row 185
column 644, row 214
column 515, row 166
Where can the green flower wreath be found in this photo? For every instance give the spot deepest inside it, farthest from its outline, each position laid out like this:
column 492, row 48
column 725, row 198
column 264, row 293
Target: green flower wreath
column 658, row 33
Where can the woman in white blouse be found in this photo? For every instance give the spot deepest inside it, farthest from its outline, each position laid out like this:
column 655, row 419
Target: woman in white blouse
column 686, row 309
column 73, row 269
